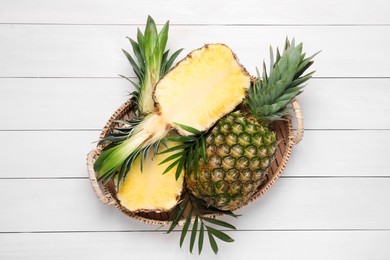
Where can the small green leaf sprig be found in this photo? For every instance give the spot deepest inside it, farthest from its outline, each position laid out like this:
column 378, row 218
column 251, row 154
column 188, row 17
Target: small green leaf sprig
column 191, row 149
column 201, row 223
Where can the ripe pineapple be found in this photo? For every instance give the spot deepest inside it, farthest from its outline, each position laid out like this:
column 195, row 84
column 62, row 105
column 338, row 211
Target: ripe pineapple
column 202, row 88
column 241, row 147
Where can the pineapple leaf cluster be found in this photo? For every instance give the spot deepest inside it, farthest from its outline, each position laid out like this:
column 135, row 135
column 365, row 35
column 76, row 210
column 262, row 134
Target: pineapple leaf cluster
column 188, row 152
column 151, row 62
column 269, row 98
column 202, row 224
column 118, row 136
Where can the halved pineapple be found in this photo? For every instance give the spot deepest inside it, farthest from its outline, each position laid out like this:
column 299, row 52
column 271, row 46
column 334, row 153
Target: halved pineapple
column 202, row 88
column 149, row 190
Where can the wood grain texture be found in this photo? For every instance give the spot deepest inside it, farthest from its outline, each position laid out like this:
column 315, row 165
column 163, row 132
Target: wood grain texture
column 245, row 12
column 59, row 66
column 94, row 51
column 52, row 104
column 70, row 205
column 321, row 153
column 293, row 245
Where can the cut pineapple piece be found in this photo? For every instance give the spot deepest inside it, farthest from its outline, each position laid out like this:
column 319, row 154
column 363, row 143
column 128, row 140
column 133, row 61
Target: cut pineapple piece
column 149, row 190
column 202, row 88
column 208, row 84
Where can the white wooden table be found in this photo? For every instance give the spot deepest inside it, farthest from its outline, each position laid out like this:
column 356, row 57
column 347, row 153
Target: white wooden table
column 59, row 66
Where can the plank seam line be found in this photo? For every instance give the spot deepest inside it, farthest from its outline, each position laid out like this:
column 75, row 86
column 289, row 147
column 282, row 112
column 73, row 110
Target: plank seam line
column 98, row 130
column 225, row 230
column 282, row 177
column 209, row 24
column 117, row 77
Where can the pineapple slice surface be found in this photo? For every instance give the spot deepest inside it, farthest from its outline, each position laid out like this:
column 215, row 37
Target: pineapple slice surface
column 149, row 190
column 202, row 88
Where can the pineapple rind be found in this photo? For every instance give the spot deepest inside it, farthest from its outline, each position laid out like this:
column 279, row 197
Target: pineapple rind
column 239, row 152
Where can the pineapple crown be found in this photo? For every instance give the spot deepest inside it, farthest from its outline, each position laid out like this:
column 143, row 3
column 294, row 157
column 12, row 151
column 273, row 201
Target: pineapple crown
column 151, row 62
column 269, row 98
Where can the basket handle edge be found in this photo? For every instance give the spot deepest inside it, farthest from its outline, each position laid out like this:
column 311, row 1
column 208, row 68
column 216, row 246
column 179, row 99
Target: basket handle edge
column 298, row 135
column 104, row 197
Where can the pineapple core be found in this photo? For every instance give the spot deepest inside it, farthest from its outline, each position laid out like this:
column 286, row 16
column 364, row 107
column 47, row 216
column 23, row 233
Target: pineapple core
column 149, row 190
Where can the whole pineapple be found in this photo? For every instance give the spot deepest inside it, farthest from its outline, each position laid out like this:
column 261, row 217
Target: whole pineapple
column 241, row 147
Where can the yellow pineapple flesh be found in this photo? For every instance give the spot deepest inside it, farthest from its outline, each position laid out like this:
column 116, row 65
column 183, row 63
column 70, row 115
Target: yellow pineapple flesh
column 149, row 189
column 202, row 88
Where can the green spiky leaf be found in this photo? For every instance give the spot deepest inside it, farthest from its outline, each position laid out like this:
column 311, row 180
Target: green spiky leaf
column 193, row 233
column 189, row 151
column 201, row 238
column 149, row 63
column 212, row 241
column 218, row 222
column 219, row 234
column 269, row 98
column 195, row 208
column 185, row 227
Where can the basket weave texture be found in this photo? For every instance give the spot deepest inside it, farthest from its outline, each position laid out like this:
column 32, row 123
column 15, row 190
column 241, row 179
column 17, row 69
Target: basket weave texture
column 284, row 133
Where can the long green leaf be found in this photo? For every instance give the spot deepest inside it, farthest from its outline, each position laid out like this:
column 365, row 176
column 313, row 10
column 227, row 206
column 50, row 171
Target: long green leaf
column 185, row 227
column 151, row 36
column 137, row 53
column 178, row 216
column 196, row 158
column 180, row 167
column 189, row 129
column 169, row 63
column 212, row 241
column 219, row 234
column 182, row 139
column 193, row 233
column 203, row 145
column 174, row 148
column 218, row 222
column 163, row 38
column 201, row 238
column 189, row 161
column 133, row 64
column 170, row 158
column 171, row 166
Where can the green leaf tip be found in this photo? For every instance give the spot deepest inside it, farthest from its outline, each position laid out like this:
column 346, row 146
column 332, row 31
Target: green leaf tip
column 272, row 92
column 194, row 216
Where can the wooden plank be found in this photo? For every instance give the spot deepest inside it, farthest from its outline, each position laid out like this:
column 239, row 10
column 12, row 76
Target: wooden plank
column 340, row 153
column 88, row 103
column 313, row 203
column 336, row 245
column 200, row 12
column 56, row 154
column 60, row 103
column 45, row 154
column 347, row 104
column 94, row 51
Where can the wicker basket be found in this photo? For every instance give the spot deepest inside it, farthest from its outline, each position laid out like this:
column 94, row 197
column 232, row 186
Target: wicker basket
column 284, row 133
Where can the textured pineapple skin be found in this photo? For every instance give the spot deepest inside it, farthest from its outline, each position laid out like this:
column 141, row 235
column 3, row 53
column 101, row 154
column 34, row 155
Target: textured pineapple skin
column 239, row 153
